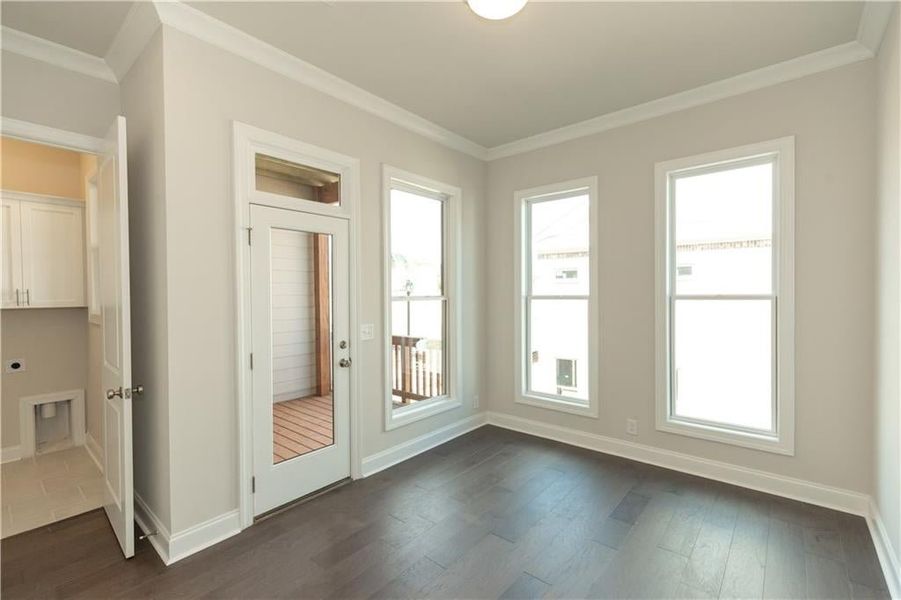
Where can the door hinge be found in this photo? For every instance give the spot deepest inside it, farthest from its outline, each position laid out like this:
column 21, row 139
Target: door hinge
column 251, row 361
column 249, row 234
column 253, row 485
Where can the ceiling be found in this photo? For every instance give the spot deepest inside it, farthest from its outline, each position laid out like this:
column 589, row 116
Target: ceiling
column 86, row 26
column 553, row 64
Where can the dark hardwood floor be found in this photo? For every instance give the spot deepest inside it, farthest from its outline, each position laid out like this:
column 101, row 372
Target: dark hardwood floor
column 493, row 514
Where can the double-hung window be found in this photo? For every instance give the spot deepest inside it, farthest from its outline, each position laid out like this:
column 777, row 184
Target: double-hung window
column 422, row 318
column 725, row 281
column 556, row 297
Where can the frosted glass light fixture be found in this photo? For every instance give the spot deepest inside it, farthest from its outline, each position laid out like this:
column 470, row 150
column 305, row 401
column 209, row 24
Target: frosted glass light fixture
column 496, row 9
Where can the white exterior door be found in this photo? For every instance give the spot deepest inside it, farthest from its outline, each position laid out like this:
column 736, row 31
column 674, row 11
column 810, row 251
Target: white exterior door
column 300, row 366
column 115, row 311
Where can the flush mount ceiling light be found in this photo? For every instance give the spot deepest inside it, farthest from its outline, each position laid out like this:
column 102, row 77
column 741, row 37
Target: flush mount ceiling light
column 496, row 9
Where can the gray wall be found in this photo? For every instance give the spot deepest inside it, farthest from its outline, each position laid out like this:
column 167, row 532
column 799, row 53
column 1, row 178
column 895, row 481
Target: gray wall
column 142, row 102
column 40, row 93
column 205, row 90
column 53, row 342
column 832, row 116
column 887, row 458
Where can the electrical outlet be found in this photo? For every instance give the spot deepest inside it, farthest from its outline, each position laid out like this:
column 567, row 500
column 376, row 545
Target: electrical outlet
column 475, row 401
column 367, row 331
column 15, row 365
column 632, row 426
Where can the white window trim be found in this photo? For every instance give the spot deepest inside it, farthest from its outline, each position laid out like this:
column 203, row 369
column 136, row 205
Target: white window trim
column 453, row 198
column 783, row 440
column 522, row 394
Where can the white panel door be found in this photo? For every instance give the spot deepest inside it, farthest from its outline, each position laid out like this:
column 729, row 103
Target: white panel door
column 115, row 322
column 52, row 254
column 12, row 293
column 300, row 313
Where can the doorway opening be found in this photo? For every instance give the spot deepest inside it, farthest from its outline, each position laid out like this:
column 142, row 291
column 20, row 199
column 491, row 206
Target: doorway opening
column 52, row 437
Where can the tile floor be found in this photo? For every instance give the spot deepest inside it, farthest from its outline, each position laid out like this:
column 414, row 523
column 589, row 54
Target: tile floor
column 47, row 488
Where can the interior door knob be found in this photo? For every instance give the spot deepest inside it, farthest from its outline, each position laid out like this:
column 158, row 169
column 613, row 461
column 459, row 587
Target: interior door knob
column 112, row 393
column 138, row 390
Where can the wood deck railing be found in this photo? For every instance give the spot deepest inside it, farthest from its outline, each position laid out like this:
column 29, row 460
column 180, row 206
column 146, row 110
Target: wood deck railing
column 418, row 371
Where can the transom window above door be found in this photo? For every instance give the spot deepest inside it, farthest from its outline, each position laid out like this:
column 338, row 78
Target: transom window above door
column 283, row 177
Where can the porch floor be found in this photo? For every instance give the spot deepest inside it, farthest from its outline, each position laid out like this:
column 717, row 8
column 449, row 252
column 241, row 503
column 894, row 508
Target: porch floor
column 301, row 425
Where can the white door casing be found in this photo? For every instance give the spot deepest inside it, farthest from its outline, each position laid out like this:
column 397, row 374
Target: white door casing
column 115, row 311
column 278, row 484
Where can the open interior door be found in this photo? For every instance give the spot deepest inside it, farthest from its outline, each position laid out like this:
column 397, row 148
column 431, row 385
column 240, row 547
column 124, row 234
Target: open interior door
column 115, row 307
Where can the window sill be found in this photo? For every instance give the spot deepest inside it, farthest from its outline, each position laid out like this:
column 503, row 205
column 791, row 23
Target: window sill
column 762, row 442
column 560, row 405
column 404, row 416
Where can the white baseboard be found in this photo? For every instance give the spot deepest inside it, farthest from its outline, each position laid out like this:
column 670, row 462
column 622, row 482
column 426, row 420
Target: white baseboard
column 888, row 558
column 94, row 450
column 10, row 453
column 153, row 528
column 174, row 547
column 212, row 531
column 788, row 487
column 396, row 454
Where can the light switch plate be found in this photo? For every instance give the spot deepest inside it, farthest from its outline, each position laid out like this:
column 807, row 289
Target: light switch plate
column 14, row 365
column 367, row 331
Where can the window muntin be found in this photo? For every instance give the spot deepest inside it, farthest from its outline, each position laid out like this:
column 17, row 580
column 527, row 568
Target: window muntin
column 556, row 234
column 419, row 311
column 722, row 296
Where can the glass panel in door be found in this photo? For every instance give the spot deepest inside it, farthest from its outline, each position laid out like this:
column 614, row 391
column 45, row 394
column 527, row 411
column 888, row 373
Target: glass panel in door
column 302, row 378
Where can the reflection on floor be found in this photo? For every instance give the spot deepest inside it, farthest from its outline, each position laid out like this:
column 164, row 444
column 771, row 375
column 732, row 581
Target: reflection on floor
column 300, row 426
column 47, row 488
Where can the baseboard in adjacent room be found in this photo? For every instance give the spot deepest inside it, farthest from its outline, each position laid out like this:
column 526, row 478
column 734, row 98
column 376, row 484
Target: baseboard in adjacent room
column 10, row 453
column 94, row 450
column 396, row 454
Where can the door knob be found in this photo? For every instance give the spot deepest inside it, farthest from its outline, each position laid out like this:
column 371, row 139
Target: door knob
column 138, row 390
column 344, row 362
column 112, row 393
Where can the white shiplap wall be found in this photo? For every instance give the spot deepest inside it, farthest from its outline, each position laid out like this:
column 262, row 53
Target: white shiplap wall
column 293, row 315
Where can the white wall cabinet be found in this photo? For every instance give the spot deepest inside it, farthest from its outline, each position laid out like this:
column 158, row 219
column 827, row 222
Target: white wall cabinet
column 43, row 252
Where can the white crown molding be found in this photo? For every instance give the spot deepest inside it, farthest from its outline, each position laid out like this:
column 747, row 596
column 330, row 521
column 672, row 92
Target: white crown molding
column 19, row 42
column 139, row 25
column 198, row 24
column 51, row 136
column 145, row 17
column 873, row 23
column 823, row 60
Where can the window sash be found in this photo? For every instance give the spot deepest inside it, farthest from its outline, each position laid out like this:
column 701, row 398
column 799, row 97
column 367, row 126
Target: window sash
column 672, row 297
column 528, row 296
column 448, row 381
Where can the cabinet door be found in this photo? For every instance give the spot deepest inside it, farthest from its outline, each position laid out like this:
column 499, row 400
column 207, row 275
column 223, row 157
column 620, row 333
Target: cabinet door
column 12, row 254
column 52, row 254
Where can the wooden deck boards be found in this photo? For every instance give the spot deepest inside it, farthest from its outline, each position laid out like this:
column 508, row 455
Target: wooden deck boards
column 300, row 426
